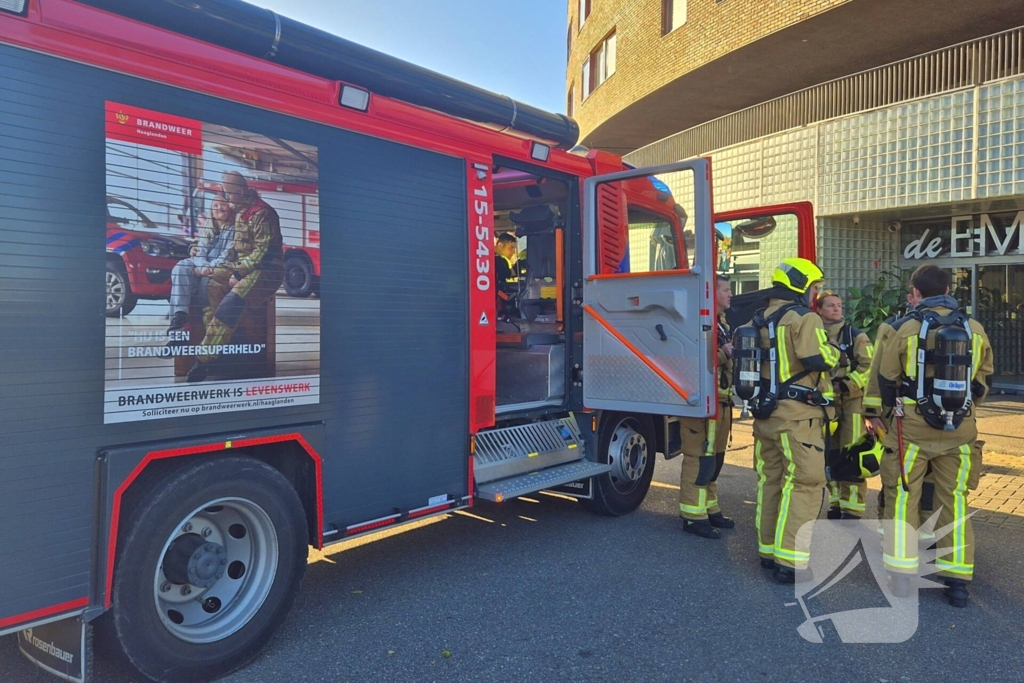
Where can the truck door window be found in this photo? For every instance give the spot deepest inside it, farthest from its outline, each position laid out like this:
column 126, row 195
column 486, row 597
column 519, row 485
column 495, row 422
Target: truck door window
column 652, row 242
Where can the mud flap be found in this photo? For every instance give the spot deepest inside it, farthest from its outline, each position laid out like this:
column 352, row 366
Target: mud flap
column 64, row 648
column 582, row 489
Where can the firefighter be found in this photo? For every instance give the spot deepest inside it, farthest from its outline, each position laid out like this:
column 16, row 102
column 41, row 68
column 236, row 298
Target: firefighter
column 508, row 274
column 791, row 406
column 931, row 371
column 872, row 402
column 847, row 498
column 251, row 279
column 212, row 249
column 704, row 441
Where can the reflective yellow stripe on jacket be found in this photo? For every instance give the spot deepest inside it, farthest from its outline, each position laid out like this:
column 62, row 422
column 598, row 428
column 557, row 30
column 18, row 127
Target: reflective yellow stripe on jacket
column 828, row 352
column 977, row 345
column 910, row 366
column 783, row 353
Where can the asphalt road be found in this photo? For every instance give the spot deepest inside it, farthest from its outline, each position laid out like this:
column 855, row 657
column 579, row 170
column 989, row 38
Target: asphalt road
column 545, row 591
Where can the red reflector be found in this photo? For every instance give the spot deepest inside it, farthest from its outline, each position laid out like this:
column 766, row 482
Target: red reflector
column 370, row 526
column 428, row 511
column 705, row 311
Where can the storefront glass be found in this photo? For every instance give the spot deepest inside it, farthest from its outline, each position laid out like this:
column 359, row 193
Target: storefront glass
column 1000, row 309
column 985, row 254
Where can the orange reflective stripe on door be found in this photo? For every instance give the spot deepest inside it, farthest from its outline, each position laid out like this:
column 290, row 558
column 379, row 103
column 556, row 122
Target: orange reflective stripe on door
column 647, row 361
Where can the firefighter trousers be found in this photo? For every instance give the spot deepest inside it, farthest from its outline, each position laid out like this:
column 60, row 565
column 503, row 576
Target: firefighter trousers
column 789, row 457
column 704, row 443
column 226, row 303
column 951, row 471
column 849, row 496
column 927, row 501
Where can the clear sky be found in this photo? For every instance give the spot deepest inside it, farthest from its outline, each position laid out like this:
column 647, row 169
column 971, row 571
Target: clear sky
column 513, row 47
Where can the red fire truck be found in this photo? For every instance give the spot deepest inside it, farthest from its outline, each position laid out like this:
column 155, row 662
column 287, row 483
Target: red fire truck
column 163, row 482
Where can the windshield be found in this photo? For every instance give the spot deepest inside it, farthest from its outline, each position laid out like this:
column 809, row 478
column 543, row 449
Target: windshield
column 128, row 217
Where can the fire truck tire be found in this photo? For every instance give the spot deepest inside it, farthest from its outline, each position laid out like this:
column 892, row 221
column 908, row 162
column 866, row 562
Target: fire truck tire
column 627, row 443
column 299, row 280
column 208, row 569
column 120, row 300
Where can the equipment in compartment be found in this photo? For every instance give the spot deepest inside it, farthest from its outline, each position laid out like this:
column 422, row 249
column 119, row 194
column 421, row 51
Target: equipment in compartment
column 537, row 224
column 530, row 374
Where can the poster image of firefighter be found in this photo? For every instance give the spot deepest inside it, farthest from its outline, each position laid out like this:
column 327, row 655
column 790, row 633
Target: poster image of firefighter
column 212, row 268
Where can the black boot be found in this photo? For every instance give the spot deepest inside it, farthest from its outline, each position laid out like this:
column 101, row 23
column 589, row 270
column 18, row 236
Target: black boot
column 956, row 591
column 834, row 513
column 701, row 527
column 720, row 521
column 788, row 575
column 784, row 574
column 899, row 584
column 198, row 373
column 849, row 519
column 178, row 321
column 767, row 564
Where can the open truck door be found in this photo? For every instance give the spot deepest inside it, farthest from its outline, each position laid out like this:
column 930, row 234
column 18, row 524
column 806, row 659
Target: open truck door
column 648, row 301
column 744, row 229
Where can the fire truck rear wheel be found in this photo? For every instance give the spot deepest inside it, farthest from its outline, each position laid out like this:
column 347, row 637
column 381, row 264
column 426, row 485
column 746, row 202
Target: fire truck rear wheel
column 208, row 569
column 627, row 443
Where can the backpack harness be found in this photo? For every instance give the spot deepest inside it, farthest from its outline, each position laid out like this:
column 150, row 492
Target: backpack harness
column 930, row 394
column 775, row 388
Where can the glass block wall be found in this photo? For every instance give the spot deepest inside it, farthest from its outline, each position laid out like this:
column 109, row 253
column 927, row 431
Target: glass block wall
column 930, row 154
column 913, row 154
column 1001, row 139
column 854, row 255
column 789, row 166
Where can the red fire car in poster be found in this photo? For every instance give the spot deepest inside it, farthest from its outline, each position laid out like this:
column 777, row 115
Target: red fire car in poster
column 139, row 258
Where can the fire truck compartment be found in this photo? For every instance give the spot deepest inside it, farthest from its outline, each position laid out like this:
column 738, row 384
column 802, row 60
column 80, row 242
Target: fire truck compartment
column 531, row 375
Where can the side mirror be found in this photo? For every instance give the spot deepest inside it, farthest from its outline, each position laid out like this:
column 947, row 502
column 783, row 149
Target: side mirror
column 756, row 228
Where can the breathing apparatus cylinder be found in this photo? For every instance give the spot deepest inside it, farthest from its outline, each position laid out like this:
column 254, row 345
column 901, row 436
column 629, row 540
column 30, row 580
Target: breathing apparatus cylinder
column 951, row 363
column 746, row 357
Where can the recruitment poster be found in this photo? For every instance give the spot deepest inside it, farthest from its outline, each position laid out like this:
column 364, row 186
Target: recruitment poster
column 213, row 267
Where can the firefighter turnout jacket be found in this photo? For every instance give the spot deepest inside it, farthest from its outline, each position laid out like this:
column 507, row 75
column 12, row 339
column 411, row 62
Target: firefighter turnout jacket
column 789, row 448
column 805, row 358
column 912, row 443
column 850, row 378
column 511, row 277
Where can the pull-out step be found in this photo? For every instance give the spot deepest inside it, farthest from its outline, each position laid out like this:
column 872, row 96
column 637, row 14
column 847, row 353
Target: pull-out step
column 506, row 489
column 511, row 451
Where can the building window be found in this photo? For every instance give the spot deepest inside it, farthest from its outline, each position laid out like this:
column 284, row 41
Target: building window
column 599, row 66
column 585, row 88
column 568, row 43
column 569, row 101
column 673, row 15
column 584, row 11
